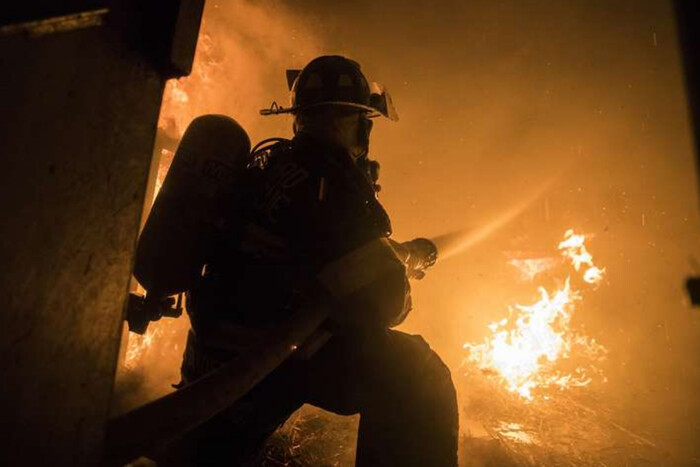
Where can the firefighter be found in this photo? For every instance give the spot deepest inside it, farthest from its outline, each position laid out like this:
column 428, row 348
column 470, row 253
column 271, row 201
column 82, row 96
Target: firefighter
column 308, row 202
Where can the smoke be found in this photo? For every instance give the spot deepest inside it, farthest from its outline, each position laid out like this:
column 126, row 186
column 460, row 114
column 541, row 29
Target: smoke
column 242, row 54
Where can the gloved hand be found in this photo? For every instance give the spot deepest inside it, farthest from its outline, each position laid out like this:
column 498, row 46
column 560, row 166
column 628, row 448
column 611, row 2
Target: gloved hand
column 417, row 255
column 141, row 310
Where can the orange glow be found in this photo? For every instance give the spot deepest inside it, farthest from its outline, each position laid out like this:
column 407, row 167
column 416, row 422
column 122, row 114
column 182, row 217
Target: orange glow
column 530, row 268
column 522, row 95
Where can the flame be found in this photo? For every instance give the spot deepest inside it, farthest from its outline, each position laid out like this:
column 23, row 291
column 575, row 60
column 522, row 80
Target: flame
column 138, row 345
column 525, row 348
column 573, row 247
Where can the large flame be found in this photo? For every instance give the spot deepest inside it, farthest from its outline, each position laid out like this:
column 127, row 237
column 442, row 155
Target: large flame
column 524, row 349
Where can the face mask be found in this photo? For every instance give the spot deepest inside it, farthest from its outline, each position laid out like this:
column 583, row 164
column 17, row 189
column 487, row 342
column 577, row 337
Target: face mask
column 364, row 128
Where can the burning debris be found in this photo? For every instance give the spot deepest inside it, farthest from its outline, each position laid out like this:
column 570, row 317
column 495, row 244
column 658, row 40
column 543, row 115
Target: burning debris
column 513, row 416
column 527, row 349
column 580, row 429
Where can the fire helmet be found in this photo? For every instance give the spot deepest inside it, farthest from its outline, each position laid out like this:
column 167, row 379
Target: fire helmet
column 334, row 80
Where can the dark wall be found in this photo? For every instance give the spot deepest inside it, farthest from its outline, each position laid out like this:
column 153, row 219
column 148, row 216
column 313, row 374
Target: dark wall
column 77, row 124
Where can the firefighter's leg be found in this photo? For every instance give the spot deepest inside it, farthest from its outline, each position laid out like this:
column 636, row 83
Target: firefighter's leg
column 402, row 390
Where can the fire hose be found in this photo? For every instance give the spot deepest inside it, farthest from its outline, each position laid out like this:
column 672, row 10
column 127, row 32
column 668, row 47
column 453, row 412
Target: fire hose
column 142, row 430
column 212, row 153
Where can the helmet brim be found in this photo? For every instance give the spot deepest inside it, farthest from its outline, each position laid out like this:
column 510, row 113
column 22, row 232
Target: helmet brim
column 371, row 111
column 382, row 106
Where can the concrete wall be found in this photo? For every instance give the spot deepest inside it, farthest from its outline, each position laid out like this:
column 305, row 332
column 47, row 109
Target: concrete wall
column 78, row 114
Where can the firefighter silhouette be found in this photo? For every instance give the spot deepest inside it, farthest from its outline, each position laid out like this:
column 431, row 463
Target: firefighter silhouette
column 245, row 232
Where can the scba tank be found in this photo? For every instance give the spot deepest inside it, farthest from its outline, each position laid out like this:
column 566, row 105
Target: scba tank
column 196, row 198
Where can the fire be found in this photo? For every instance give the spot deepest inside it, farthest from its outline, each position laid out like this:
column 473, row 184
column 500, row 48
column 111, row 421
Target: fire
column 573, row 248
column 138, row 345
column 525, row 348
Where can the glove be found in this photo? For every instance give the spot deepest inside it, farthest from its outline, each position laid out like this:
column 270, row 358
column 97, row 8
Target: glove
column 417, row 255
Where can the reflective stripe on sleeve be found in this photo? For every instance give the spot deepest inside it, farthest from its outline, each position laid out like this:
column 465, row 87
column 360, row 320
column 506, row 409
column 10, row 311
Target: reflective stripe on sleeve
column 359, row 268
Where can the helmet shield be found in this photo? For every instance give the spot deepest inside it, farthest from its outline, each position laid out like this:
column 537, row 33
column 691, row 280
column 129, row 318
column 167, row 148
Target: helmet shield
column 380, row 100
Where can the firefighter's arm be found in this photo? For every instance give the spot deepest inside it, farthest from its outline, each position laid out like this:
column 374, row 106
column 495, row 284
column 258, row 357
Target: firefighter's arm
column 337, row 221
column 371, row 285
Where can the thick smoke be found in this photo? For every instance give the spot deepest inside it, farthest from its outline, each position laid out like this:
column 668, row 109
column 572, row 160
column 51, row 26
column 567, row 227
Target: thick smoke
column 244, row 49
